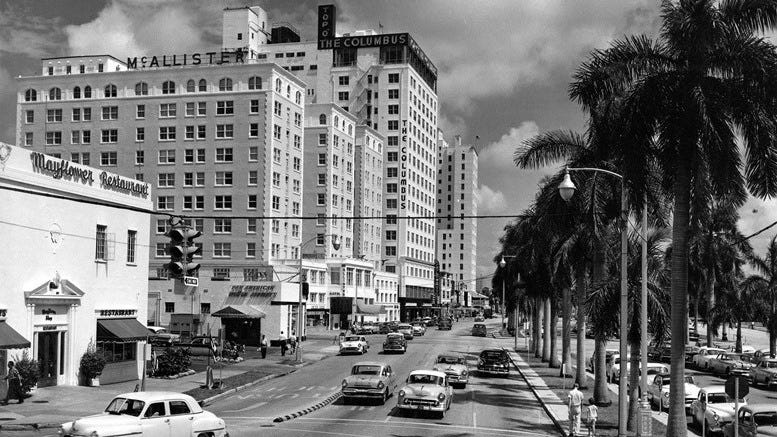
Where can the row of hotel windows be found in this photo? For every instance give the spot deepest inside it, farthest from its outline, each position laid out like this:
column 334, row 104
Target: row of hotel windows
column 223, row 226
column 224, row 249
column 221, row 202
column 168, row 87
column 105, row 245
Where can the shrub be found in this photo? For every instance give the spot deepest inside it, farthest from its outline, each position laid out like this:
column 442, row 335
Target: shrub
column 173, row 361
column 28, row 370
column 92, row 363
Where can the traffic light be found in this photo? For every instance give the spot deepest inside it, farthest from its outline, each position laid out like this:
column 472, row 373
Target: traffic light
column 182, row 251
column 305, row 290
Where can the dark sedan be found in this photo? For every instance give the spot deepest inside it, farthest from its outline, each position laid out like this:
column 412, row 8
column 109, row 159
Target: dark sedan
column 494, row 362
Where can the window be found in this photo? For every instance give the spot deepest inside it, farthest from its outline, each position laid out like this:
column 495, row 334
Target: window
column 165, row 203
column 297, row 119
column 202, row 108
column 140, row 111
column 189, row 109
column 201, row 131
column 54, row 115
column 254, row 107
column 74, row 116
column 221, row 272
column 393, row 140
column 132, row 238
column 191, row 86
column 254, row 83
column 166, row 156
column 141, row 89
column 223, row 202
column 322, row 179
column 295, row 208
column 343, row 80
column 140, row 157
column 224, row 131
column 55, row 94
column 30, row 95
column 276, row 179
column 391, row 172
column 253, row 130
column 169, row 308
column 223, row 154
column 202, row 86
column 277, row 108
column 75, row 137
column 194, row 202
column 100, row 243
column 28, row 139
column 109, row 136
column 110, row 112
column 393, row 125
column 166, row 133
column 296, row 186
column 108, row 159
column 253, row 154
column 342, row 95
column 252, row 201
column 393, row 78
column 297, row 164
column 86, row 137
column 188, row 133
column 250, row 226
column 393, row 94
column 393, row 109
column 391, row 203
column 110, row 91
column 225, row 84
column 222, row 226
column 87, row 92
column 167, row 110
column 225, row 107
column 222, row 250
column 253, row 178
column 276, row 202
column 250, row 250
column 322, row 119
column 166, row 180
column 223, row 178
column 168, row 87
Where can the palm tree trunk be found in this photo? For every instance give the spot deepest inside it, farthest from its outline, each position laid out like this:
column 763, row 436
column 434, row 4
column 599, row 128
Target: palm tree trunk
column 710, row 303
column 696, row 312
column 554, row 358
column 634, row 393
column 546, row 331
column 581, row 378
column 537, row 327
column 566, row 331
column 601, row 392
column 724, row 332
column 677, row 425
column 739, row 337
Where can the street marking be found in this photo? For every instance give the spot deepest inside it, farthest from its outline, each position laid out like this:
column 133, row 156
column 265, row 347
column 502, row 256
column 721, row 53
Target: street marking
column 259, row 404
column 301, row 388
column 310, row 431
column 242, row 397
column 311, row 388
column 271, row 389
column 422, row 425
column 474, row 420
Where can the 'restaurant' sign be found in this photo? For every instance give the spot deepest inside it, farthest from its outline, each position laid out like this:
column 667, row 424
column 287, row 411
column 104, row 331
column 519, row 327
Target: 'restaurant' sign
column 117, row 313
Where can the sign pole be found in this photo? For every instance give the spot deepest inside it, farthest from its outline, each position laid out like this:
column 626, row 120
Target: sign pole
column 736, row 406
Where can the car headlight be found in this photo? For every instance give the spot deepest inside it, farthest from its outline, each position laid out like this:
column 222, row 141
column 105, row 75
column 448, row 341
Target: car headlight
column 463, row 373
column 401, row 393
column 345, row 383
column 94, row 434
column 480, row 362
column 715, row 417
column 666, row 394
column 60, row 431
column 381, row 385
column 441, row 397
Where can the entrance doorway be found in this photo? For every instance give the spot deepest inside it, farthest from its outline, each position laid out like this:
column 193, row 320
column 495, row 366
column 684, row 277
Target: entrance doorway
column 244, row 331
column 48, row 346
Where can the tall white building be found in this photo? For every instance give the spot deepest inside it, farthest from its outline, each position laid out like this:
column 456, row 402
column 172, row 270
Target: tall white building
column 369, row 194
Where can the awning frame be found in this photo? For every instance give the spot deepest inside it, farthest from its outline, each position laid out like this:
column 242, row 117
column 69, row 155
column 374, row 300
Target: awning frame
column 122, row 330
column 11, row 339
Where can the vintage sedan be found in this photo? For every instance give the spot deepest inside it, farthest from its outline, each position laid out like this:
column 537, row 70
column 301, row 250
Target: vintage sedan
column 479, row 330
column 608, row 354
column 406, row 329
column 713, row 408
column 702, row 359
column 395, row 342
column 658, row 391
column 764, row 373
column 494, row 362
column 455, row 366
column 369, row 380
column 354, row 344
column 148, row 414
column 730, row 363
column 419, row 328
column 754, row 420
column 426, row 390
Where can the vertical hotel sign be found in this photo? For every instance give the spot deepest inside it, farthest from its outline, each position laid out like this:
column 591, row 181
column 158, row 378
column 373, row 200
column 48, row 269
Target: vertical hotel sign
column 403, row 167
column 326, row 26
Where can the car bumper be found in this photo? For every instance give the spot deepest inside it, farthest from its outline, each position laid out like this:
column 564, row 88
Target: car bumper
column 458, row 379
column 421, row 405
column 371, row 393
column 494, row 370
column 408, row 336
column 351, row 350
column 394, row 349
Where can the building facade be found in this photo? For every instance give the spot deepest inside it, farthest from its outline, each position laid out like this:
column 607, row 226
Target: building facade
column 369, row 195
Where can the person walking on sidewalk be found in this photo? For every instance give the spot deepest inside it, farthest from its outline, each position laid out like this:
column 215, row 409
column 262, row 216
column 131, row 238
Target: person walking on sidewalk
column 263, row 346
column 14, row 384
column 293, row 341
column 283, row 343
column 593, row 413
column 575, row 401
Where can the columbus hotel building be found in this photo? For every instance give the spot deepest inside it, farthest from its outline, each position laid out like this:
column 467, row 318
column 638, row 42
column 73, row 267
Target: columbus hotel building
column 242, row 141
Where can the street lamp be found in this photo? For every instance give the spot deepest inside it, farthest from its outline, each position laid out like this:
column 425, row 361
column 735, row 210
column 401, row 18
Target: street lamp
column 566, row 189
column 502, row 264
column 335, row 246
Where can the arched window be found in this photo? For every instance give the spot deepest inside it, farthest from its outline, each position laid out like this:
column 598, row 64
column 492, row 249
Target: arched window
column 141, row 89
column 77, row 92
column 350, row 129
column 87, row 92
column 55, row 94
column 30, row 95
column 288, row 91
column 337, row 121
column 298, row 98
column 110, row 90
column 322, row 119
column 168, row 87
column 203, row 85
column 277, row 85
column 255, row 83
column 190, row 86
column 225, row 84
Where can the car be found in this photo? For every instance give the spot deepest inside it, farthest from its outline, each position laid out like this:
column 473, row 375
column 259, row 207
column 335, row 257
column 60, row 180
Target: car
column 690, row 352
column 406, row 330
column 148, row 414
column 754, row 420
column 613, row 366
column 354, row 344
column 427, row 321
column 652, row 369
column 494, row 362
column 395, row 342
column 760, row 355
column 658, row 391
column 455, row 366
column 701, row 359
column 370, row 328
column 426, row 390
column 418, row 329
column 369, row 380
column 747, row 349
column 608, row 354
column 479, row 319
column 203, row 346
column 159, row 336
column 444, row 324
column 713, row 408
column 383, row 328
column 730, row 363
column 764, row 373
column 479, row 330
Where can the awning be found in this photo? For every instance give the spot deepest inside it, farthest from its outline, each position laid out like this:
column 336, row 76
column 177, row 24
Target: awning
column 240, row 312
column 363, row 308
column 116, row 330
column 10, row 339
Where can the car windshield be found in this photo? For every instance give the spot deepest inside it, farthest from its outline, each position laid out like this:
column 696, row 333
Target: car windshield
column 365, row 370
column 425, row 379
column 405, row 327
column 666, row 381
column 480, row 326
column 492, row 355
column 395, row 337
column 689, row 379
column 718, row 398
column 767, row 418
column 352, row 338
column 447, row 359
column 771, row 364
column 132, row 407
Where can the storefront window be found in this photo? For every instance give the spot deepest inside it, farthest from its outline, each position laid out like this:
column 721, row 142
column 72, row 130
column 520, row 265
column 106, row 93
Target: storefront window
column 116, row 352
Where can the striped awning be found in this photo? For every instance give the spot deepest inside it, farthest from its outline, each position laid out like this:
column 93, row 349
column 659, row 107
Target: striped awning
column 240, row 312
column 120, row 330
column 10, row 339
column 363, row 308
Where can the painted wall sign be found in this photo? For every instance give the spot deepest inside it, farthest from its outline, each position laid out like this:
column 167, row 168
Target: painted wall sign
column 206, row 58
column 117, row 313
column 66, row 170
column 326, row 24
column 403, row 168
column 251, row 290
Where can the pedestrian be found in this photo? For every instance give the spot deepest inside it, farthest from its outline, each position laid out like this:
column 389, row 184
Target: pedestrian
column 575, row 399
column 263, row 346
column 293, row 341
column 592, row 413
column 14, row 384
column 282, row 342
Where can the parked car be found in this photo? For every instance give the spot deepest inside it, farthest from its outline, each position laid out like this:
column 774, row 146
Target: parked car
column 701, row 360
column 690, row 352
column 612, row 365
column 761, row 355
column 479, row 330
column 148, row 414
column 494, row 361
column 395, row 342
column 730, row 363
column 418, row 329
column 354, row 344
column 406, row 330
column 369, row 380
column 764, row 373
column 652, row 369
column 754, row 420
column 383, row 328
column 608, row 356
column 428, row 321
column 658, row 391
column 426, row 390
column 202, row 346
column 479, row 319
column 444, row 324
column 713, row 408
column 159, row 336
column 455, row 366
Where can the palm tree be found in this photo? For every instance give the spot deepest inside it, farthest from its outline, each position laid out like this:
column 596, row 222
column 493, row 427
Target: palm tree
column 707, row 76
column 763, row 283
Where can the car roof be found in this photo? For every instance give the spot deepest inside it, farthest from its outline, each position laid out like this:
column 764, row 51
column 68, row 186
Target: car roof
column 369, row 363
column 395, row 334
column 714, row 389
column 760, row 408
column 156, row 396
column 450, row 354
column 428, row 372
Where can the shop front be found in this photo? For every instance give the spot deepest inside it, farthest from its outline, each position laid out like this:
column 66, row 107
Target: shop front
column 241, row 323
column 317, row 317
column 10, row 339
column 414, row 308
column 119, row 340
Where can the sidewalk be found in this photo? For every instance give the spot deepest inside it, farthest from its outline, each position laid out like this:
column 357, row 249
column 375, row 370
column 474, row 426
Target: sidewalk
column 49, row 407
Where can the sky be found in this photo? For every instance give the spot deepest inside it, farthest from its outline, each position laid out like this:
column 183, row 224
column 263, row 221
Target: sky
column 504, row 66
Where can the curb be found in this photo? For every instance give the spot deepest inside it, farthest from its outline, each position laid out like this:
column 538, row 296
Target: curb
column 300, row 413
column 29, row 426
column 205, row 402
column 550, row 414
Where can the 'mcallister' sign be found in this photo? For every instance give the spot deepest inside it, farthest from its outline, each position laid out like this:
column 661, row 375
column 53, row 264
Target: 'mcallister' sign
column 207, row 58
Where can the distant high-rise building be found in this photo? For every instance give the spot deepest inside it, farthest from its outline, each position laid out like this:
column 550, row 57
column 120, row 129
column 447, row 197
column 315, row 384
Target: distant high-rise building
column 369, row 194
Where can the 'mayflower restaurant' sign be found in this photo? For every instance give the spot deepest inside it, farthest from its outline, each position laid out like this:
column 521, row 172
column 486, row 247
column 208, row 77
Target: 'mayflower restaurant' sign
column 207, row 58
column 63, row 169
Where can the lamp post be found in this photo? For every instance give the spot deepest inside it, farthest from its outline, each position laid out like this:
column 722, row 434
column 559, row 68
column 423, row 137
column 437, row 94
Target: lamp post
column 502, row 264
column 566, row 189
column 335, row 246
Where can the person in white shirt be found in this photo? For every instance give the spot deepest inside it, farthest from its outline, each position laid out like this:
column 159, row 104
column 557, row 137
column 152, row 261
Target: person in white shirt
column 575, row 399
column 283, row 343
column 293, row 341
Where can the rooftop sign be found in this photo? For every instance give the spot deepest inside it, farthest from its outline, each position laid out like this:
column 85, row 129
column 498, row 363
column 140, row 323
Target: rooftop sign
column 186, row 59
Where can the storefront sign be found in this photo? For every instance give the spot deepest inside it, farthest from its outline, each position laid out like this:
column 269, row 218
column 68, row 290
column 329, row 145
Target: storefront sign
column 251, row 290
column 403, row 168
column 49, row 327
column 66, row 170
column 118, row 313
column 207, row 58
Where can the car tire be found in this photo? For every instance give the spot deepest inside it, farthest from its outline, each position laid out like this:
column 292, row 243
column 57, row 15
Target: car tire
column 385, row 397
column 728, row 371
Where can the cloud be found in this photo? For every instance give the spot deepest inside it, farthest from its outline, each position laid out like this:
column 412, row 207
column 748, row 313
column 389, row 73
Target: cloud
column 499, row 155
column 754, row 216
column 490, row 201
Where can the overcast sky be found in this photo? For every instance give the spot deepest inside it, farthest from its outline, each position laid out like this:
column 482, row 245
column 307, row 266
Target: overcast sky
column 504, row 66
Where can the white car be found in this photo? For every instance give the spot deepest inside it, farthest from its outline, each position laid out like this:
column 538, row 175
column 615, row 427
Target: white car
column 148, row 414
column 426, row 390
column 652, row 369
column 354, row 344
column 658, row 391
column 455, row 366
column 701, row 359
column 713, row 408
